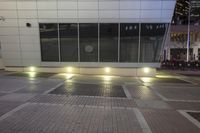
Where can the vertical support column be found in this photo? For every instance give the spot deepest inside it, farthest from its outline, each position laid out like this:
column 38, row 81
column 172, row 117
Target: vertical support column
column 119, row 33
column 19, row 35
column 139, row 42
column 78, row 43
column 58, row 27
column 188, row 39
column 118, row 42
column 59, row 56
column 78, row 33
column 98, row 35
column 98, row 42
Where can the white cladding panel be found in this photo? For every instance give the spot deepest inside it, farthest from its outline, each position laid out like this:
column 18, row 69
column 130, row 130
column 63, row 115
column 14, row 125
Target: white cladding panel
column 21, row 45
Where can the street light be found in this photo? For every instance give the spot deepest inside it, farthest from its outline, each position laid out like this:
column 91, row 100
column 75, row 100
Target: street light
column 188, row 38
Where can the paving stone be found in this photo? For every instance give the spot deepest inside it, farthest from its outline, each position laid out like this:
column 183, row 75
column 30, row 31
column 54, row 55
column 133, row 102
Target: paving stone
column 185, row 105
column 179, row 93
column 195, row 115
column 61, row 119
column 164, row 80
column 107, row 90
column 156, row 104
column 168, row 121
column 11, row 85
column 81, row 100
column 40, row 87
column 141, row 92
column 8, row 106
column 17, row 97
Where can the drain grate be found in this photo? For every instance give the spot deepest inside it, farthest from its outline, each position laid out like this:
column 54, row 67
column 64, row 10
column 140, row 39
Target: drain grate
column 195, row 115
column 107, row 90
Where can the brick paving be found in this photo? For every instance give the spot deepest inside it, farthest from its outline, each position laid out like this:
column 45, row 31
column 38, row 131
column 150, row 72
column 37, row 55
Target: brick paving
column 8, row 106
column 84, row 100
column 27, row 107
column 168, row 121
column 185, row 105
column 35, row 118
column 179, row 93
column 141, row 92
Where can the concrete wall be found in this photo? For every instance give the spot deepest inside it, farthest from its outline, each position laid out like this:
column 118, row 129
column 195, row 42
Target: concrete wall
column 140, row 72
column 1, row 64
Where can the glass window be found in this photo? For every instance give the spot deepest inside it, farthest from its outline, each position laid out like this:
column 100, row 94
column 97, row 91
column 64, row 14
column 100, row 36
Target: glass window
column 108, row 42
column 49, row 42
column 88, row 42
column 129, row 39
column 151, row 41
column 68, row 42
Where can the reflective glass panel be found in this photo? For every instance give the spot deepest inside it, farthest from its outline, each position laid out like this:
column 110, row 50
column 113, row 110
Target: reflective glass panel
column 68, row 42
column 129, row 40
column 108, row 42
column 49, row 42
column 152, row 36
column 88, row 34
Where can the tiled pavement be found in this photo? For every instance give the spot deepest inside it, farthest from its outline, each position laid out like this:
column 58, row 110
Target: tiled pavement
column 29, row 104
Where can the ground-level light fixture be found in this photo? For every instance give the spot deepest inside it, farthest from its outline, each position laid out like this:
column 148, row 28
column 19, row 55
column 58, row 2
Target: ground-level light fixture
column 32, row 69
column 107, row 69
column 146, row 70
column 69, row 69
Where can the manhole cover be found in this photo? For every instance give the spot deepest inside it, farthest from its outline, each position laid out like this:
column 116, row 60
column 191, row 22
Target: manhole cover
column 195, row 115
column 107, row 90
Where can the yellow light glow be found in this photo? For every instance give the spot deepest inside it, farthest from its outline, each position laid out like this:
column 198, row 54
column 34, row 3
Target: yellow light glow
column 32, row 69
column 69, row 76
column 107, row 78
column 163, row 76
column 146, row 70
column 69, row 69
column 107, row 69
column 32, row 74
column 146, row 79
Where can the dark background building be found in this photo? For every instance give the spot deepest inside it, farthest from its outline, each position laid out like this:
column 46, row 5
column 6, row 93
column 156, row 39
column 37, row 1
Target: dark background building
column 182, row 9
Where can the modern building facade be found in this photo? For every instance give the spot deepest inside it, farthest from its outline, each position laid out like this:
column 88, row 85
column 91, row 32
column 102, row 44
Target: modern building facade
column 176, row 48
column 119, row 37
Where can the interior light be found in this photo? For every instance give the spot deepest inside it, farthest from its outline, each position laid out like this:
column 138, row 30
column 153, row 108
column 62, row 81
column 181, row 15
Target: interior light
column 107, row 69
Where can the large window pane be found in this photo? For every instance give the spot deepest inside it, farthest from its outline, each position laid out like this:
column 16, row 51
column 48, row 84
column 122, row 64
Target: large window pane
column 49, row 42
column 129, row 39
column 88, row 42
column 108, row 42
column 68, row 42
column 151, row 41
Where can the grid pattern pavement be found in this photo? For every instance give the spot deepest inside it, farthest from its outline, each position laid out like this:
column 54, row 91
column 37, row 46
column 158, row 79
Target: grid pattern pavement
column 149, row 108
column 48, row 118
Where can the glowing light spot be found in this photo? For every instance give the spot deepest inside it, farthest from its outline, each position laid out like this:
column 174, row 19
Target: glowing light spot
column 163, row 76
column 146, row 79
column 146, row 70
column 69, row 76
column 32, row 69
column 107, row 78
column 32, row 74
column 69, row 69
column 107, row 69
